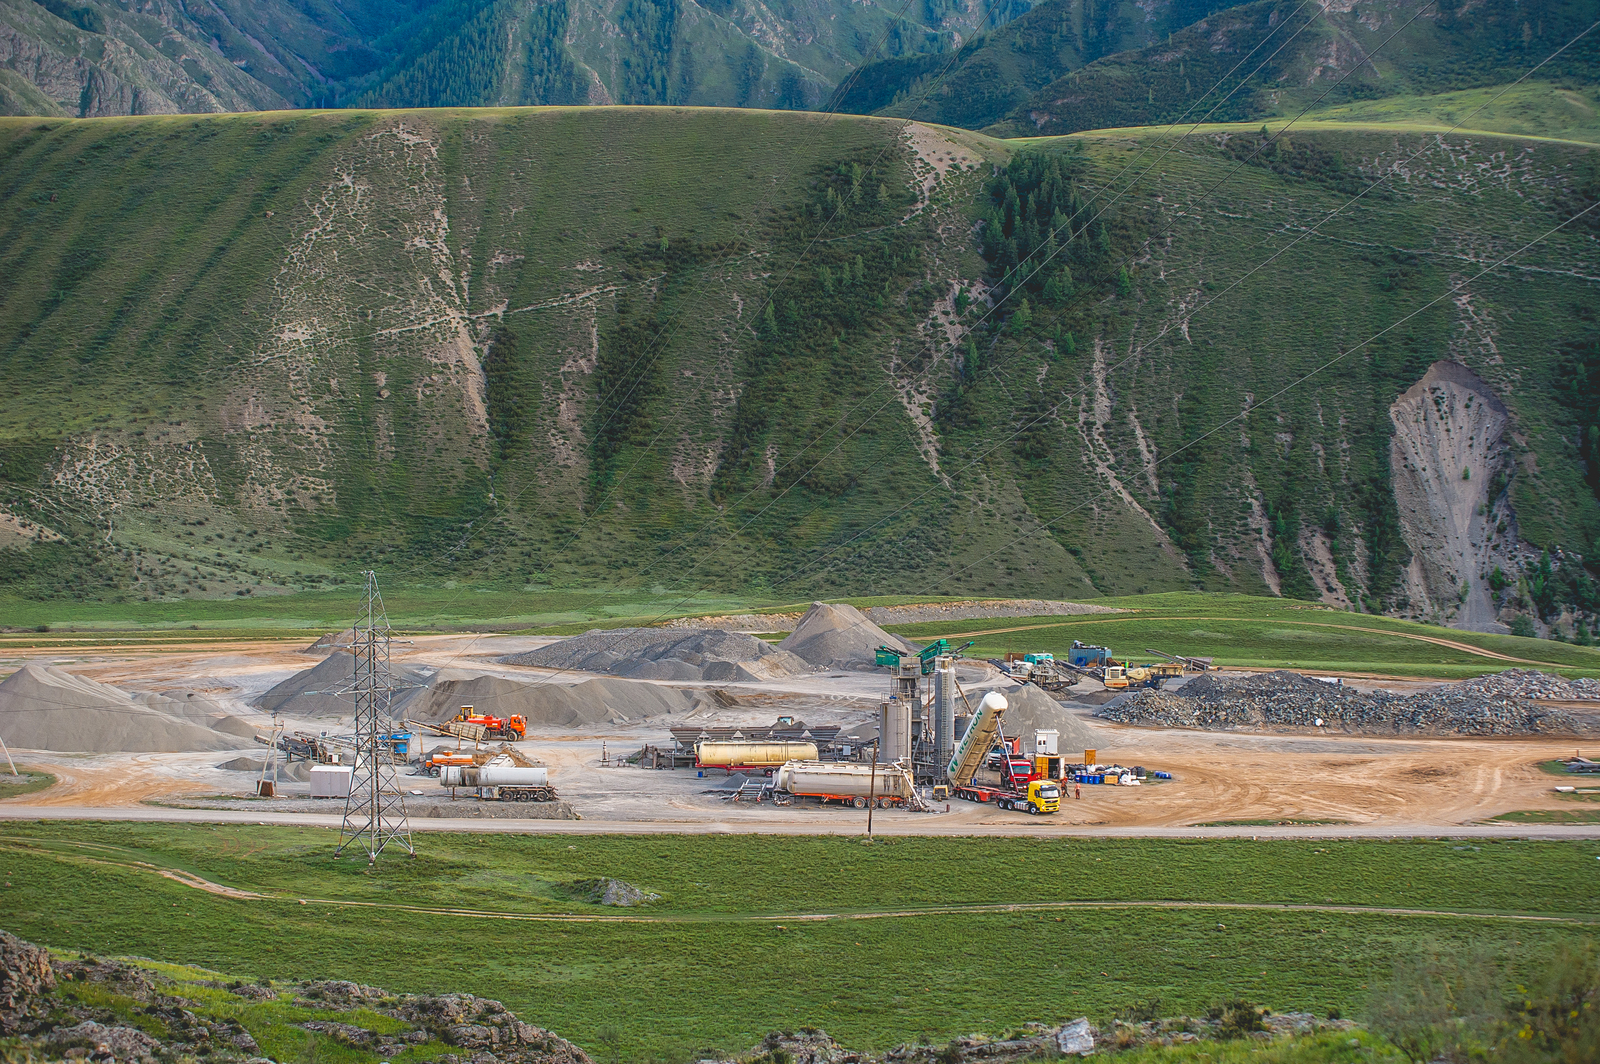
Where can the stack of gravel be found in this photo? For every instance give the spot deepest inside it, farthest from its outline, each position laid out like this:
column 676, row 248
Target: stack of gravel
column 667, row 654
column 1503, row 704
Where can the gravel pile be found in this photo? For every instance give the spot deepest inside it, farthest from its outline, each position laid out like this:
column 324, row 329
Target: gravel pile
column 667, row 654
column 1028, row 708
column 839, row 636
column 599, row 701
column 1502, row 704
column 46, row 708
column 311, row 693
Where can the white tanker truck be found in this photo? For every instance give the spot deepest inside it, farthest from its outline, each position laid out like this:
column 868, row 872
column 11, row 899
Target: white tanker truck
column 846, row 781
column 506, row 783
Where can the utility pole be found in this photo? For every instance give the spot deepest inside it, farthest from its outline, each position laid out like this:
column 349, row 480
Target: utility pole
column 872, row 784
column 375, row 811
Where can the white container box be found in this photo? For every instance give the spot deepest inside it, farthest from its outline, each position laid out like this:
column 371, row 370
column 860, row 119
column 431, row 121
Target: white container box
column 330, row 781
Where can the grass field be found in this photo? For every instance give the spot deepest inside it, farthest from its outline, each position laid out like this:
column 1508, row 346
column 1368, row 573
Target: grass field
column 1251, row 632
column 1552, row 816
column 876, row 943
column 26, row 783
column 1237, row 630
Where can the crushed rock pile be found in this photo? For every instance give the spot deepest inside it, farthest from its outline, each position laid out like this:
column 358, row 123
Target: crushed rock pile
column 46, row 708
column 52, row 1026
column 667, row 654
column 838, row 636
column 308, row 694
column 601, row 701
column 1501, row 704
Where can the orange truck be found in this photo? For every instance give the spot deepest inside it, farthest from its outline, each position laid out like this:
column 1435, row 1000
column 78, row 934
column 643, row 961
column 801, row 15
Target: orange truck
column 513, row 727
column 435, row 762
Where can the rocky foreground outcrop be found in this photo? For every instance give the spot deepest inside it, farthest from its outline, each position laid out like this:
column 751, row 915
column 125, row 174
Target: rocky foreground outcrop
column 149, row 1020
column 50, row 1025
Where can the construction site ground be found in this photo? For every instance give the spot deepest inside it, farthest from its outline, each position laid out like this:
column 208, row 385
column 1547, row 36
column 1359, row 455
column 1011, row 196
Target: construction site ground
column 1225, row 783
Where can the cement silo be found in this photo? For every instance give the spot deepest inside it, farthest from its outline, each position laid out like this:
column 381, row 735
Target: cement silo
column 894, row 731
column 944, row 708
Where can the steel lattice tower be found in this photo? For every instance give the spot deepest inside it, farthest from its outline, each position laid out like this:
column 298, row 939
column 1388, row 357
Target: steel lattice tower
column 375, row 811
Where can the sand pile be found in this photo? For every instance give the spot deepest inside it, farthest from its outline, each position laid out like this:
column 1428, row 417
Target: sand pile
column 307, row 693
column 838, row 636
column 45, row 708
column 667, row 654
column 551, row 704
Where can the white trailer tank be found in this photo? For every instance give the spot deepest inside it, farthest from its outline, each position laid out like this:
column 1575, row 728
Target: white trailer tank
column 511, row 783
column 845, row 780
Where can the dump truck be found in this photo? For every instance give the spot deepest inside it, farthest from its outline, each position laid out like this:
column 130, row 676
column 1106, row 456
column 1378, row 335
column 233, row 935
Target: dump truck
column 514, row 727
column 475, row 727
column 986, row 768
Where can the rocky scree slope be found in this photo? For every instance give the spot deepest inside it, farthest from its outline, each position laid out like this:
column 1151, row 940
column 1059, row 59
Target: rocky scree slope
column 539, row 346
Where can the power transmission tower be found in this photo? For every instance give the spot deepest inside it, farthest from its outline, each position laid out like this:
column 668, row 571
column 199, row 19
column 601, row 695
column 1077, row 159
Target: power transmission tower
column 375, row 811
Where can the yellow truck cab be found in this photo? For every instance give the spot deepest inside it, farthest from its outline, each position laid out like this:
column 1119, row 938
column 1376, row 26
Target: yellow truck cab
column 1044, row 796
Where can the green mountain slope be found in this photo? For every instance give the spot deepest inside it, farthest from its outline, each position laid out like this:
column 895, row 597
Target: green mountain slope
column 1310, row 54
column 100, row 57
column 536, row 346
column 1070, row 65
column 996, row 71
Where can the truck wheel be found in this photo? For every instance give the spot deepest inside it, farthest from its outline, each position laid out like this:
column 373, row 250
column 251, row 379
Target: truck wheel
column 859, row 802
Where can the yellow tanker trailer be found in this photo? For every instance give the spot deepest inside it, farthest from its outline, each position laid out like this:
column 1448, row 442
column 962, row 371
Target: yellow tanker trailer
column 761, row 756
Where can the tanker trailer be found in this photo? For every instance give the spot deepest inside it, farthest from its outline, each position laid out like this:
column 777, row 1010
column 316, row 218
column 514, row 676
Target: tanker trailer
column 845, row 781
column 507, row 783
column 760, row 756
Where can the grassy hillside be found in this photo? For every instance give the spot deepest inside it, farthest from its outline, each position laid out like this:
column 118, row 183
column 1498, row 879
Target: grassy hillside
column 1191, row 923
column 1068, row 65
column 100, row 57
column 1294, row 56
column 995, row 71
column 536, row 348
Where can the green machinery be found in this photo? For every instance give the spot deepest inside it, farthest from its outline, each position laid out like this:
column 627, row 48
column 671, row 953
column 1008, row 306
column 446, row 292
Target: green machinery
column 891, row 658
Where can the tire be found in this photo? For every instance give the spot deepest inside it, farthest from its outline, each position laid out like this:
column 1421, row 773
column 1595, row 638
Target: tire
column 859, row 802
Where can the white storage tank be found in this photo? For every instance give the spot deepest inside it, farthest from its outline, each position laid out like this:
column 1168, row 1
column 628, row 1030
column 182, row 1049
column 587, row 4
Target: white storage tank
column 330, row 781
column 894, row 732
